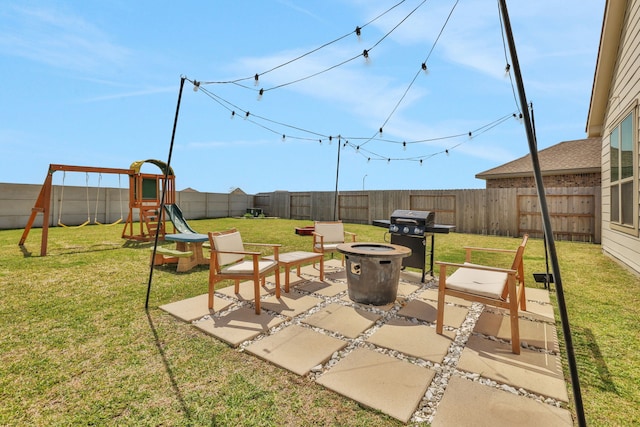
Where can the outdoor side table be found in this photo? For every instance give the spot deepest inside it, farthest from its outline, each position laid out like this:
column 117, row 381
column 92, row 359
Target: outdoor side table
column 296, row 259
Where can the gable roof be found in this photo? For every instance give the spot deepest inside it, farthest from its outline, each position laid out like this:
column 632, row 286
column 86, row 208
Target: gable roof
column 577, row 156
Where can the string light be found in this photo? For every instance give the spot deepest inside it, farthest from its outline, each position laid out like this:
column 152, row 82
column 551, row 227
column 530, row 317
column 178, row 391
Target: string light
column 424, row 67
column 404, row 145
column 447, row 151
column 470, row 133
column 365, row 53
column 420, row 162
column 246, row 115
column 196, row 85
column 260, row 93
column 358, row 32
column 507, row 68
column 284, row 137
column 256, row 78
column 380, row 131
column 233, row 114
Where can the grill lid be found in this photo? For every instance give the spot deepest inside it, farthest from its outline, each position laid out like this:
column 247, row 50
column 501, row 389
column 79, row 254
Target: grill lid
column 414, row 223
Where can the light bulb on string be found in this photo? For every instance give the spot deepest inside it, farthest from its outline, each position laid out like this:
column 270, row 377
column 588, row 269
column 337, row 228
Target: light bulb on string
column 404, row 145
column 330, row 139
column 196, row 85
column 233, row 114
column 256, row 79
column 470, row 134
column 246, row 115
column 388, row 160
column 260, row 93
column 368, row 159
column 420, row 162
column 424, row 68
column 284, row 137
column 447, row 152
column 358, row 32
column 380, row 131
column 507, row 69
column 365, row 54
column 320, row 141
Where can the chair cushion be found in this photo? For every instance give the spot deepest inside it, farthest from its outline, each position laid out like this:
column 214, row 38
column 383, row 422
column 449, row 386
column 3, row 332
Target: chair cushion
column 246, row 267
column 331, row 232
column 228, row 242
column 478, row 282
column 328, row 246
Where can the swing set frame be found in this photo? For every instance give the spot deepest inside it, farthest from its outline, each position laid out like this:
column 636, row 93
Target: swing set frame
column 144, row 195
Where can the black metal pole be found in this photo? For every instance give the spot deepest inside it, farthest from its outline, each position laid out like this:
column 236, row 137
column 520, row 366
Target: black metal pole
column 335, row 204
column 164, row 190
column 575, row 382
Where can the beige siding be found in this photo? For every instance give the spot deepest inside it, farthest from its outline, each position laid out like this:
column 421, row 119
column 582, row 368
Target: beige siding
column 624, row 94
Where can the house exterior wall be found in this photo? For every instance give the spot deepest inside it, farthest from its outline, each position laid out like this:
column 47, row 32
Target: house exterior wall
column 623, row 97
column 562, row 180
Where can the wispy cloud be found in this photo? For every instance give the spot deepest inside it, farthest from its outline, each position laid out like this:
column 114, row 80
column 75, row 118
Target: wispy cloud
column 58, row 39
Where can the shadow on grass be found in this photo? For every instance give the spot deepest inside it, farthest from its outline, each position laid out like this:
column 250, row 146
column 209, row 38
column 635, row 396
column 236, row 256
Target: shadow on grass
column 174, row 384
column 597, row 374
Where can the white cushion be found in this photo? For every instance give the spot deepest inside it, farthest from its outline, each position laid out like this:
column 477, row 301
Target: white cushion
column 478, row 282
column 246, row 267
column 331, row 232
column 229, row 242
column 328, row 247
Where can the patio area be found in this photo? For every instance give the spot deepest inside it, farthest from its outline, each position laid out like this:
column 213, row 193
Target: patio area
column 389, row 357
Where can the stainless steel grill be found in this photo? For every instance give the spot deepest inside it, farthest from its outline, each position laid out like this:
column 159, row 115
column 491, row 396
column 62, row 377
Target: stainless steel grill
column 411, row 228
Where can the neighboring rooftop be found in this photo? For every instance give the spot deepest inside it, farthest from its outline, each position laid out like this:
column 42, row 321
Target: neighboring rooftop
column 569, row 157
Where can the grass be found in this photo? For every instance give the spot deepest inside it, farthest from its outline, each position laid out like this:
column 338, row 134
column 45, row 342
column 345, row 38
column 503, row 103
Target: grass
column 78, row 347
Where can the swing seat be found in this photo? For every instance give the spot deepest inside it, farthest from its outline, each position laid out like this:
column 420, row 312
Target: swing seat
column 60, row 224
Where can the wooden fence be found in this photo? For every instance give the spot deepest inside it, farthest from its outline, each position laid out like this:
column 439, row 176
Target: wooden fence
column 575, row 212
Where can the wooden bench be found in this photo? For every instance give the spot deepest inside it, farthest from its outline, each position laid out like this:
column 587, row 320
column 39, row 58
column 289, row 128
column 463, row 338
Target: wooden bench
column 184, row 259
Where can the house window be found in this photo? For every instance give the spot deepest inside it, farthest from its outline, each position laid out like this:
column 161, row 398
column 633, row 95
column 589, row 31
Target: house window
column 623, row 175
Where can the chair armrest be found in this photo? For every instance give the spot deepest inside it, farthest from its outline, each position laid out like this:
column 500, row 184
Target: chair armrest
column 476, row 267
column 273, row 245
column 353, row 235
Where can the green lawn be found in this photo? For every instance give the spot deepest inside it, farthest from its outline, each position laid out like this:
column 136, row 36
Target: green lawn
column 78, row 347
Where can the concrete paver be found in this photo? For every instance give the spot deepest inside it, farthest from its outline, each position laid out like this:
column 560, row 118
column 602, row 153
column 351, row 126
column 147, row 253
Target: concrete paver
column 428, row 310
column 290, row 304
column 323, row 288
column 432, row 295
column 246, row 292
column 538, row 334
column 296, row 348
column 535, row 371
column 468, row 403
column 347, row 321
column 238, row 326
column 378, row 381
column 413, row 339
column 195, row 308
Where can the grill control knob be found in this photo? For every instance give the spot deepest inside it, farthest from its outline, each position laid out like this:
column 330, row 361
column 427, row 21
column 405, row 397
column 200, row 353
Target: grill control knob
column 393, row 228
column 405, row 230
column 418, row 231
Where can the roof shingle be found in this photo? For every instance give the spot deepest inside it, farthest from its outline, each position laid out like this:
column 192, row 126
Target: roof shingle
column 577, row 156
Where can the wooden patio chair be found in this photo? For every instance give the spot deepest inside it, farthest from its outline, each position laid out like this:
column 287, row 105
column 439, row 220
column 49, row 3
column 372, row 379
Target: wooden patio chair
column 499, row 287
column 230, row 260
column 327, row 235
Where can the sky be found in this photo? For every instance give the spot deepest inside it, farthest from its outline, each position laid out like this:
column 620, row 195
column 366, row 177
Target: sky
column 98, row 84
